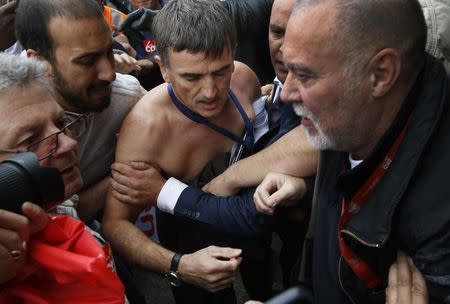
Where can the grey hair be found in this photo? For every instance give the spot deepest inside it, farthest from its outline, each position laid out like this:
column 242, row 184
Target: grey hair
column 20, row 72
column 195, row 26
column 364, row 27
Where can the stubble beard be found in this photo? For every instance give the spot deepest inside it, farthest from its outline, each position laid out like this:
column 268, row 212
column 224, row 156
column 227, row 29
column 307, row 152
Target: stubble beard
column 75, row 100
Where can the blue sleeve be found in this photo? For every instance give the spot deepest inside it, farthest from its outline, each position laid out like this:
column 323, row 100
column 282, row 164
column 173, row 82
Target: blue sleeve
column 235, row 215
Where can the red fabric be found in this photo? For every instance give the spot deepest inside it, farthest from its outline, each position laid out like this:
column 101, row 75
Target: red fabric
column 351, row 207
column 65, row 264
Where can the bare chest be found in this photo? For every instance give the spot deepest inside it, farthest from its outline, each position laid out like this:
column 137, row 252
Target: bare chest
column 185, row 155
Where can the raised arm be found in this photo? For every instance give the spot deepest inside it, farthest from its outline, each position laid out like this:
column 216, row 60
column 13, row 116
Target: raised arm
column 291, row 154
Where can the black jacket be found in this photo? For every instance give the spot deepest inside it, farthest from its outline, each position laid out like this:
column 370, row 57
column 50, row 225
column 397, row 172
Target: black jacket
column 409, row 210
column 252, row 24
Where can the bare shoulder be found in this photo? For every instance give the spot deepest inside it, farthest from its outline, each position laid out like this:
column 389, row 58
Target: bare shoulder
column 245, row 84
column 152, row 103
column 144, row 127
column 245, row 80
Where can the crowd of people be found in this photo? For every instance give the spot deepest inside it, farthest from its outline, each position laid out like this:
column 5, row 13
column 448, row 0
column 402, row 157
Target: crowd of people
column 188, row 132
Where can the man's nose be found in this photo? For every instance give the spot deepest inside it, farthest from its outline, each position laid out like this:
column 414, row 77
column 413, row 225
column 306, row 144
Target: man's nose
column 209, row 89
column 290, row 91
column 106, row 70
column 66, row 144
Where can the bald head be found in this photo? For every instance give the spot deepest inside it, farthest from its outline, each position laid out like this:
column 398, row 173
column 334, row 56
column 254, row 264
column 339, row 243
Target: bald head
column 281, row 10
column 361, row 28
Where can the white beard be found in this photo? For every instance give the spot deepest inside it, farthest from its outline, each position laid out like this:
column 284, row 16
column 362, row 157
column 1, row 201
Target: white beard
column 317, row 138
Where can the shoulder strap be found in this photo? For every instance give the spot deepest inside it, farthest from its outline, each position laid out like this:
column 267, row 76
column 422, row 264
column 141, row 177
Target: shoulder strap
column 201, row 120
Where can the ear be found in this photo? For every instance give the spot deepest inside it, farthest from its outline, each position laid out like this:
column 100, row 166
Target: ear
column 32, row 53
column 384, row 70
column 164, row 68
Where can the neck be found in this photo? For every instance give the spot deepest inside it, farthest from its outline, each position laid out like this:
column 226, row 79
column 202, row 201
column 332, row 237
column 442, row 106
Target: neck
column 391, row 104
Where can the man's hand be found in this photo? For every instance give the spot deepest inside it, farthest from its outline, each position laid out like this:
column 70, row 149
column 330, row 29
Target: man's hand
column 125, row 43
column 278, row 189
column 136, row 183
column 219, row 186
column 406, row 283
column 125, row 64
column 267, row 89
column 15, row 231
column 212, row 268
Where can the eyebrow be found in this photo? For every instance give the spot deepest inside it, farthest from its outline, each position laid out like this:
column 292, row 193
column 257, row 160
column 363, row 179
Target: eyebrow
column 92, row 53
column 276, row 27
column 27, row 128
column 24, row 129
column 299, row 68
column 189, row 74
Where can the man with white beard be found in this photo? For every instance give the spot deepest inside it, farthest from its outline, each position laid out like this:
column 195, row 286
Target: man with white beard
column 377, row 107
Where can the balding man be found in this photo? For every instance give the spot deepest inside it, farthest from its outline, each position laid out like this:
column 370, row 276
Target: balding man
column 377, row 105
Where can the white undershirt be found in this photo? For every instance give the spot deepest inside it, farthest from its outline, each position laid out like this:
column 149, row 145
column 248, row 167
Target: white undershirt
column 354, row 162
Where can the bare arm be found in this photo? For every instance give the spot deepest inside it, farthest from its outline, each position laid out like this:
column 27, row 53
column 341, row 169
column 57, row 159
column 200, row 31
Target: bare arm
column 211, row 268
column 291, row 154
column 118, row 222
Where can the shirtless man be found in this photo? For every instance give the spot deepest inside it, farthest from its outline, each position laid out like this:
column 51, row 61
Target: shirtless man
column 196, row 42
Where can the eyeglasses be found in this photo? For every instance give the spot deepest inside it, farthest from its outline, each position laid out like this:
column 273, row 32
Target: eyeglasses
column 47, row 146
column 82, row 125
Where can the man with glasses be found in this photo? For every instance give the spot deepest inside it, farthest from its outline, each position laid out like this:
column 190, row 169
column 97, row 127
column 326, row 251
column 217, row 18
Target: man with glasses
column 33, row 122
column 47, row 146
column 76, row 41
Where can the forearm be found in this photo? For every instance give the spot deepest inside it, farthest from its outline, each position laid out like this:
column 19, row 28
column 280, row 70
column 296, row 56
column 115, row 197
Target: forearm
column 135, row 246
column 92, row 200
column 291, row 154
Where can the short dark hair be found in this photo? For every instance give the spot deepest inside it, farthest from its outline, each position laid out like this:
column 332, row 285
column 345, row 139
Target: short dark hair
column 33, row 18
column 364, row 27
column 195, row 26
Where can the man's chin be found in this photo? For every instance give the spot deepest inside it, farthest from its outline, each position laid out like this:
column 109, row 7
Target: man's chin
column 98, row 106
column 72, row 188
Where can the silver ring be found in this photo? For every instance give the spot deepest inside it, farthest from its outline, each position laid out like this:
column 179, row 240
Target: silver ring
column 16, row 254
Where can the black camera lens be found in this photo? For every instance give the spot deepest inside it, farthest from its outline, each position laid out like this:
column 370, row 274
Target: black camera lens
column 23, row 180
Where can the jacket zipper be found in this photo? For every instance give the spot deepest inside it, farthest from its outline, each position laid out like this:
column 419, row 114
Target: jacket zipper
column 373, row 245
column 351, row 234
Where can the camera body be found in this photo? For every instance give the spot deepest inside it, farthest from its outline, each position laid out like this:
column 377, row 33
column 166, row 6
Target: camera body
column 23, row 180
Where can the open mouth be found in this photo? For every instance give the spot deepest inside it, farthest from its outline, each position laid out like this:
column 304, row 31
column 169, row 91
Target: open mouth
column 306, row 122
column 209, row 105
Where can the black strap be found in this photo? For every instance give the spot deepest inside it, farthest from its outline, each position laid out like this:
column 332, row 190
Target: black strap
column 248, row 139
column 175, row 261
